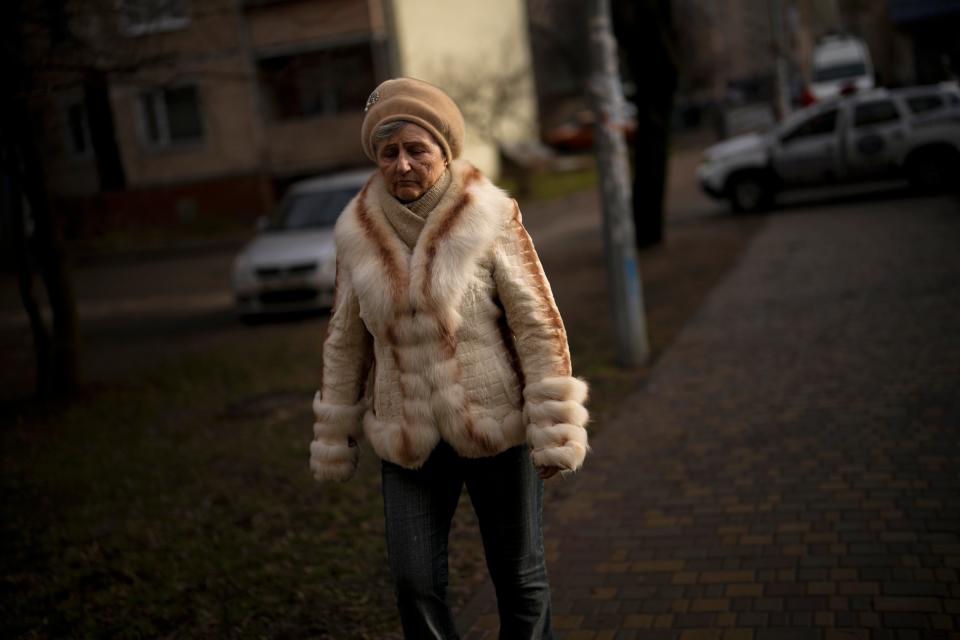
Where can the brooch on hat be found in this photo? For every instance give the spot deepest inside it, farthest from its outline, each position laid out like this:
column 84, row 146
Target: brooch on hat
column 372, row 100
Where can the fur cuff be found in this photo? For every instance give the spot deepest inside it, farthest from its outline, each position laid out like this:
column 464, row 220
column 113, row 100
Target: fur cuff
column 555, row 422
column 332, row 457
column 338, row 420
column 556, row 388
column 333, row 461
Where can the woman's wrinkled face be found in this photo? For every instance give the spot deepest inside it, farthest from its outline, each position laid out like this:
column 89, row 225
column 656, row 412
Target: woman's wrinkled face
column 410, row 162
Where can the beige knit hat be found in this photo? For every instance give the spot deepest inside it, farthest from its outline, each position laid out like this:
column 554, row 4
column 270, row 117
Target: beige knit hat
column 418, row 102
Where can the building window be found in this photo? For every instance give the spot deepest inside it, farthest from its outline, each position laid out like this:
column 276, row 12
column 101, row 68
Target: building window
column 318, row 83
column 138, row 17
column 171, row 117
column 77, row 129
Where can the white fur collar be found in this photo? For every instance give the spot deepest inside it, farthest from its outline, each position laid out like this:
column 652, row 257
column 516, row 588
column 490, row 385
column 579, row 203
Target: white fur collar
column 390, row 279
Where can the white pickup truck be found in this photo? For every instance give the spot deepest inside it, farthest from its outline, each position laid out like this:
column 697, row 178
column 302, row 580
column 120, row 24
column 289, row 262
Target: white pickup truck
column 911, row 133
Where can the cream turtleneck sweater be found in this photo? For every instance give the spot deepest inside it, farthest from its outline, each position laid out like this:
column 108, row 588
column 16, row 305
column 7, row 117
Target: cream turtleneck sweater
column 408, row 219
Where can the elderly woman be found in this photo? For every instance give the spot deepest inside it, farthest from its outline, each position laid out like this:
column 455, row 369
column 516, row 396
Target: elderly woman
column 446, row 353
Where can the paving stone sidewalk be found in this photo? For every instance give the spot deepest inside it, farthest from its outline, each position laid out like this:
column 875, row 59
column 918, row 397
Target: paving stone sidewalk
column 792, row 467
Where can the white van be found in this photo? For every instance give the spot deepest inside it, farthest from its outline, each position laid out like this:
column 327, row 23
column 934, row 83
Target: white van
column 841, row 64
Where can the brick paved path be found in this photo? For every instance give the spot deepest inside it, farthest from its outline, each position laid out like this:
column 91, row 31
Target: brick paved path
column 792, row 469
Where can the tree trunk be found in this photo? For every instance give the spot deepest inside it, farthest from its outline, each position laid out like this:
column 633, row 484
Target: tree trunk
column 645, row 31
column 651, row 156
column 63, row 362
column 37, row 240
column 12, row 209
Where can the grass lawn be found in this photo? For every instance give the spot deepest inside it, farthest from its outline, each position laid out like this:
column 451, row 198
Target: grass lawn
column 180, row 505
column 177, row 502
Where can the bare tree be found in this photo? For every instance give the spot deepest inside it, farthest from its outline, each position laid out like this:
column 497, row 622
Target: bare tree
column 557, row 32
column 36, row 242
column 646, row 34
column 491, row 97
column 495, row 102
column 45, row 45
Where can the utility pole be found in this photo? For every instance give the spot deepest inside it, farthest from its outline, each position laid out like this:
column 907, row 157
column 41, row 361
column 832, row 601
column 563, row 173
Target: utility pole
column 623, row 270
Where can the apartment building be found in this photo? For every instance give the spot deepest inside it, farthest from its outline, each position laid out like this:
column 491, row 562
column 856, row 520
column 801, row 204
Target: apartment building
column 216, row 105
column 930, row 28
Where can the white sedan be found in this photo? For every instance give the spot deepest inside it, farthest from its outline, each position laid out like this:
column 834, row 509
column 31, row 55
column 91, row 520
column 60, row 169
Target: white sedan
column 291, row 264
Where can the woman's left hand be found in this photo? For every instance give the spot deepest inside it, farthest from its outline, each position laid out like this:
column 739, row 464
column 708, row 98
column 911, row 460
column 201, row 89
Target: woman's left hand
column 547, row 472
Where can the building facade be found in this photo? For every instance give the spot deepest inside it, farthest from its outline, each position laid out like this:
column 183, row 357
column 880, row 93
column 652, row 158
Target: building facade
column 216, row 105
column 931, row 26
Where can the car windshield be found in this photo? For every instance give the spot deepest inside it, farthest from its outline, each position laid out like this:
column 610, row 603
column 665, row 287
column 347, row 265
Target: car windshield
column 839, row 71
column 312, row 209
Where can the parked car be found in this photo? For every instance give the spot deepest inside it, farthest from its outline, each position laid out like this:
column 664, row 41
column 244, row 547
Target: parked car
column 575, row 134
column 841, row 65
column 911, row 133
column 291, row 264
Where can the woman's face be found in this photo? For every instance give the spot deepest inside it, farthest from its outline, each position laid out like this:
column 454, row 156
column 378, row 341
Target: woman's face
column 410, row 162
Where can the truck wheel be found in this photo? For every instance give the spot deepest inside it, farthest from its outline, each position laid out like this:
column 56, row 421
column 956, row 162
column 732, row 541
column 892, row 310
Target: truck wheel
column 749, row 193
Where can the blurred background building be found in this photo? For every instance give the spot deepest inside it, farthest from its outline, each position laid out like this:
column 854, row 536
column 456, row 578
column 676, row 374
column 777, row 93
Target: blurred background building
column 168, row 110
column 931, row 26
column 175, row 110
column 729, row 50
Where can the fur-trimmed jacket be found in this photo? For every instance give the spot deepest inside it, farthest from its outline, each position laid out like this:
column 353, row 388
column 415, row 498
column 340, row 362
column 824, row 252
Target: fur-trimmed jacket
column 458, row 339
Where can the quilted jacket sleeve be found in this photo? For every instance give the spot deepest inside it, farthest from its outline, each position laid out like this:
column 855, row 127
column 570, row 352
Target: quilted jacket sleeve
column 339, row 407
column 553, row 399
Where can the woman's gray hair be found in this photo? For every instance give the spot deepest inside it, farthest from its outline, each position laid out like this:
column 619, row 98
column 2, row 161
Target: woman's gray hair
column 386, row 130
